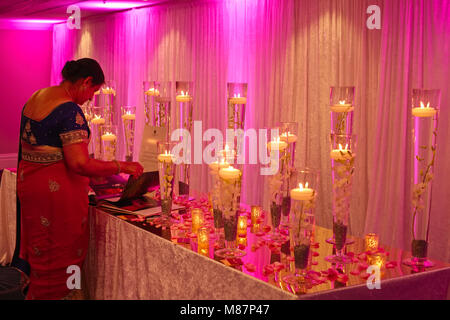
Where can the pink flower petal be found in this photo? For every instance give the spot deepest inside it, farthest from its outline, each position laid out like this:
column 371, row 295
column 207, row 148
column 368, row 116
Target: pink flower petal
column 343, row 278
column 365, row 276
column 363, row 266
column 250, row 267
column 355, row 272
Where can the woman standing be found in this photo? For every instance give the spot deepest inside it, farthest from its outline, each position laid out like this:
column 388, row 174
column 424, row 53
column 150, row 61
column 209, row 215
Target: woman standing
column 52, row 178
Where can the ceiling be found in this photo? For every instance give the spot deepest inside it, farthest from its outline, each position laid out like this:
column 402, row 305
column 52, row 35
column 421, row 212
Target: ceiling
column 57, row 9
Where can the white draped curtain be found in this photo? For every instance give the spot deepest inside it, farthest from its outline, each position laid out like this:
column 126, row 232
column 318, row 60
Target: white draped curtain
column 290, row 53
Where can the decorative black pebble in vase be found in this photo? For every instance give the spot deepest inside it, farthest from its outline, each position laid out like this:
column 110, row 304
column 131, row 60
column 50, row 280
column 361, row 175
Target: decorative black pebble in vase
column 230, row 228
column 275, row 211
column 340, row 234
column 301, row 254
column 218, row 218
column 286, row 206
column 419, row 248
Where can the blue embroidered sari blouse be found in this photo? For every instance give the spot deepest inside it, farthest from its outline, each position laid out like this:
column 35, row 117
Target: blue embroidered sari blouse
column 65, row 125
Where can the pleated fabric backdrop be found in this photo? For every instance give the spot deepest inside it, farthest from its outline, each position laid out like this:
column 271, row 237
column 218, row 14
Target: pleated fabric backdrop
column 290, row 53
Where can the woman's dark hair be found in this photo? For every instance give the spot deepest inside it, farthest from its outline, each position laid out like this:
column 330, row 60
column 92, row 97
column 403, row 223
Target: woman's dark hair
column 81, row 69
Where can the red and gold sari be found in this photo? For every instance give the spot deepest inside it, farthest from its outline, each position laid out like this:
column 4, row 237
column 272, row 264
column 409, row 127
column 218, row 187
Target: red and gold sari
column 53, row 202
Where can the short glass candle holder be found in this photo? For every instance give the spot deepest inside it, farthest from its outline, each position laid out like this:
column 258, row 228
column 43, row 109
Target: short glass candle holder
column 109, row 142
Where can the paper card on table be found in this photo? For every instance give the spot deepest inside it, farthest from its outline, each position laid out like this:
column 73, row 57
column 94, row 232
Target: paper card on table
column 148, row 155
column 156, row 210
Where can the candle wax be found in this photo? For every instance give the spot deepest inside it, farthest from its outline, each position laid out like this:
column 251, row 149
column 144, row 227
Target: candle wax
column 423, row 112
column 302, row 194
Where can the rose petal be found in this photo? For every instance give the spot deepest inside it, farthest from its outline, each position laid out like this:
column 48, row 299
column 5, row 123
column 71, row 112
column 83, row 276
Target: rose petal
column 365, row 276
column 315, row 254
column 290, row 258
column 267, row 228
column 314, row 263
column 260, row 234
column 362, row 256
column 355, row 272
column 250, row 267
column 363, row 266
column 343, row 278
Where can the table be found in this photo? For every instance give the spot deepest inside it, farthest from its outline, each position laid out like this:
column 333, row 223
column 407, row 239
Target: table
column 7, row 216
column 127, row 260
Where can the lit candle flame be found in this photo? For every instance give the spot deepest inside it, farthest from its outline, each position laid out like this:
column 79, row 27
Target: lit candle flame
column 342, row 102
column 300, row 185
column 423, row 106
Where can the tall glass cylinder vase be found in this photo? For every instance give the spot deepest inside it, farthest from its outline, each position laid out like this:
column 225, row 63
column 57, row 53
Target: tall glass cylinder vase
column 301, row 227
column 184, row 100
column 288, row 134
column 341, row 109
column 151, row 91
column 342, row 153
column 97, row 122
column 166, row 169
column 129, row 124
column 106, row 99
column 230, row 194
column 215, row 198
column 425, row 111
column 236, row 100
column 342, row 105
column 278, row 152
column 162, row 105
column 109, row 142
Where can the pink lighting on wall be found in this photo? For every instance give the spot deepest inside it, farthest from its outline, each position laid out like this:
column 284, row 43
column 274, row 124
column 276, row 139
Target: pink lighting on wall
column 28, row 24
column 111, row 5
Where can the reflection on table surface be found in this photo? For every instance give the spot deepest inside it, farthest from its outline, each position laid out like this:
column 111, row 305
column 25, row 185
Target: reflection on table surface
column 270, row 262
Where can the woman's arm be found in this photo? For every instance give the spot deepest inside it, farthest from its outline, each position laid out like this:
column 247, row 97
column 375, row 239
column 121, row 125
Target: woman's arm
column 77, row 159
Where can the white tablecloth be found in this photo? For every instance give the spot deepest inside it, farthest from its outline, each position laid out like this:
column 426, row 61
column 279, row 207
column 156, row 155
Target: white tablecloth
column 7, row 216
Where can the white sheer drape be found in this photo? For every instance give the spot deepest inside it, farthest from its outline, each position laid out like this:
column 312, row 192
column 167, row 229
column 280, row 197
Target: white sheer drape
column 290, row 53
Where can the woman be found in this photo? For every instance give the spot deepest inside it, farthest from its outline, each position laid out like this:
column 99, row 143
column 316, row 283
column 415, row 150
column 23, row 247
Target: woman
column 52, row 178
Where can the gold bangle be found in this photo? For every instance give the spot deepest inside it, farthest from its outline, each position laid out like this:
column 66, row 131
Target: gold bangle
column 118, row 166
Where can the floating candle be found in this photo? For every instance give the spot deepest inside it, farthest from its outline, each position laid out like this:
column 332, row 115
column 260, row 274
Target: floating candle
column 301, row 193
column 108, row 90
column 230, row 173
column 238, row 99
column 288, row 137
column 165, row 157
column 216, row 166
column 129, row 116
column 108, row 136
column 424, row 112
column 342, row 107
column 98, row 120
column 152, row 92
column 277, row 145
column 341, row 154
column 183, row 97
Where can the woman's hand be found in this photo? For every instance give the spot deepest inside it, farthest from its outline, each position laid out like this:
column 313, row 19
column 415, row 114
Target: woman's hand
column 133, row 168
